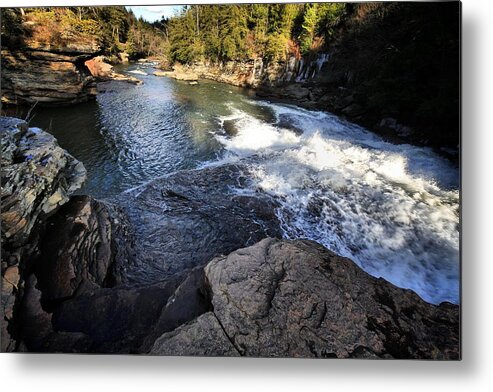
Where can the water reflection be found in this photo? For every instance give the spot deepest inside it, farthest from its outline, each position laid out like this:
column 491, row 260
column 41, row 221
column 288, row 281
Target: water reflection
column 132, row 134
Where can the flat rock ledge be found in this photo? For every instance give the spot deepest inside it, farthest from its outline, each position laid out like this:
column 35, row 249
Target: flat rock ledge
column 47, row 76
column 281, row 298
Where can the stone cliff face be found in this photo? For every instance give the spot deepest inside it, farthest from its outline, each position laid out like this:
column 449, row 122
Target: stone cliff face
column 274, row 79
column 47, row 76
column 257, row 72
column 37, row 178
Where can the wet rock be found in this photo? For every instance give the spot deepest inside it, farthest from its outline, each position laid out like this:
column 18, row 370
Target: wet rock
column 189, row 217
column 283, row 298
column 286, row 122
column 391, row 126
column 230, row 127
column 353, row 110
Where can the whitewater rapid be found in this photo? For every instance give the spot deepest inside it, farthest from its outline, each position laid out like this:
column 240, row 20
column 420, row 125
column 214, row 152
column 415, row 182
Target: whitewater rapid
column 393, row 209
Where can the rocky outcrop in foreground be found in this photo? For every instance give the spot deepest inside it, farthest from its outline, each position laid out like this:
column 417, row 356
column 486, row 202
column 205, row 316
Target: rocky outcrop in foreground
column 283, row 298
column 37, row 178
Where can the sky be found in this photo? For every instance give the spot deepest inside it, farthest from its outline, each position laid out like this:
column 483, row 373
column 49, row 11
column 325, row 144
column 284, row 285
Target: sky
column 153, row 13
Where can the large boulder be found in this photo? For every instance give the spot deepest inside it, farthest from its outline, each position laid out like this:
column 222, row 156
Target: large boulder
column 104, row 72
column 99, row 68
column 283, row 298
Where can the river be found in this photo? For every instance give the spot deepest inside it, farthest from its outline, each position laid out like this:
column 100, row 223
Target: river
column 393, row 209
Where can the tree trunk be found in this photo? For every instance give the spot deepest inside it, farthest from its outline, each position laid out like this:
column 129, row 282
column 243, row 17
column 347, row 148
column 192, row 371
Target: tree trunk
column 197, row 8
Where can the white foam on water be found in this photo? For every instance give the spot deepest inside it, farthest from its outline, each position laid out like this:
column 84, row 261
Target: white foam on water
column 393, row 209
column 137, row 72
column 255, row 136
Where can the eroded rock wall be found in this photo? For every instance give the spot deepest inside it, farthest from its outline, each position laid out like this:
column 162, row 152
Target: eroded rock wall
column 37, row 178
column 47, row 76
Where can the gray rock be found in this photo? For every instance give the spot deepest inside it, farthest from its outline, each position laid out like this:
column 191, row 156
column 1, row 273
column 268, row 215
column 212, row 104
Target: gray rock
column 354, row 110
column 202, row 337
column 283, row 298
column 37, row 177
column 391, row 126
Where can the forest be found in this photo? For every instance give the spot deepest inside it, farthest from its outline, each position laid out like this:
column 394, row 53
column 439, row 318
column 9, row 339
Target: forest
column 198, row 32
column 240, row 32
column 116, row 29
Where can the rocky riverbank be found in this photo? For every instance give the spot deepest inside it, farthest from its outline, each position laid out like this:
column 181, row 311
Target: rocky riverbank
column 185, row 265
column 104, row 72
column 282, row 298
column 55, row 76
